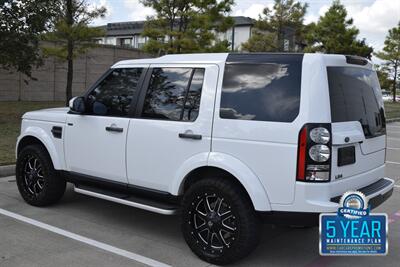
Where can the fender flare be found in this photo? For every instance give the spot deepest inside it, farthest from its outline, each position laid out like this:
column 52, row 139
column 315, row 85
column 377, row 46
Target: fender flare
column 46, row 140
column 192, row 163
column 230, row 164
column 245, row 176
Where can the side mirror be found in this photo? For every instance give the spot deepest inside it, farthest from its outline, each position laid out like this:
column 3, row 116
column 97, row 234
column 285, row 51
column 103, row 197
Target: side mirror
column 77, row 105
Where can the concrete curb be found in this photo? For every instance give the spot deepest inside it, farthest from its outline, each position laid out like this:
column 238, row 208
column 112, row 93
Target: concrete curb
column 8, row 170
column 392, row 120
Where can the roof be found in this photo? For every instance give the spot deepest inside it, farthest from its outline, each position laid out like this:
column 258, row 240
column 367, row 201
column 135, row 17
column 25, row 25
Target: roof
column 222, row 58
column 243, row 21
column 125, row 28
column 136, row 27
column 260, row 58
column 205, row 58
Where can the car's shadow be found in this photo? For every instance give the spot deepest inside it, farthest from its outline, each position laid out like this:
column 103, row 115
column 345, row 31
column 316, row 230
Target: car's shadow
column 279, row 245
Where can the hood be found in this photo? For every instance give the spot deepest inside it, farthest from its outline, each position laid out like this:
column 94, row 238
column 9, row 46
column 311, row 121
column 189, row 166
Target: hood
column 50, row 114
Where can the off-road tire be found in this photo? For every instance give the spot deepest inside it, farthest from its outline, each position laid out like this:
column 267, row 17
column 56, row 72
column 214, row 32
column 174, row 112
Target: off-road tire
column 244, row 220
column 51, row 187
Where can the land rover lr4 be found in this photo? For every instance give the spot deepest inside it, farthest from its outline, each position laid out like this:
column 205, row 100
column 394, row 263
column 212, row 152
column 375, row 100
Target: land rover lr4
column 223, row 139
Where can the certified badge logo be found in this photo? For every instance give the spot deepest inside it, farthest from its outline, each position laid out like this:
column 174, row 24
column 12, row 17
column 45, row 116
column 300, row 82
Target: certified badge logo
column 353, row 205
column 353, row 230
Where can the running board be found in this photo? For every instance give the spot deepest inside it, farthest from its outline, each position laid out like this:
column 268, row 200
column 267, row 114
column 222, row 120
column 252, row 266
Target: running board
column 140, row 203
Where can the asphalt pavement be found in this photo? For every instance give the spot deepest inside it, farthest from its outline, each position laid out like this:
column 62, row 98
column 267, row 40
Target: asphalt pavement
column 84, row 231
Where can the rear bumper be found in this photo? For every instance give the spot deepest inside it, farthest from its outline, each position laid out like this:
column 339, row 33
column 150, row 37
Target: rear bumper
column 324, row 197
column 312, row 218
column 374, row 193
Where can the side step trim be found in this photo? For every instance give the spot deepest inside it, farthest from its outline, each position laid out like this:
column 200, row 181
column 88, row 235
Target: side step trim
column 125, row 202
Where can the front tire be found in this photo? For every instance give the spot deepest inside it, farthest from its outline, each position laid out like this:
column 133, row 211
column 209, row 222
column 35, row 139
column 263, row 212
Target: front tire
column 218, row 221
column 38, row 182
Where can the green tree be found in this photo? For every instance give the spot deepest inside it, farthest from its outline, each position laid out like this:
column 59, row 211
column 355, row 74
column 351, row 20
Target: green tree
column 184, row 26
column 21, row 23
column 335, row 34
column 285, row 21
column 72, row 34
column 383, row 76
column 391, row 55
column 261, row 42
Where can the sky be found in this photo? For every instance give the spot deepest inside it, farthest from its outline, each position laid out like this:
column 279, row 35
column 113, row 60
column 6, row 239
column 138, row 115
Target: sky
column 372, row 17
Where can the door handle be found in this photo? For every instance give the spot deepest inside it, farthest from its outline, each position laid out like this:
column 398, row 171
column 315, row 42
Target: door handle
column 190, row 136
column 114, row 129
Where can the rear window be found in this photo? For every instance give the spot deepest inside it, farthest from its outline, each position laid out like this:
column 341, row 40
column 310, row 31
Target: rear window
column 355, row 95
column 262, row 88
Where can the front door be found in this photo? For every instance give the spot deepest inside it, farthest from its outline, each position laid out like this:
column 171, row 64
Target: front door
column 173, row 124
column 95, row 142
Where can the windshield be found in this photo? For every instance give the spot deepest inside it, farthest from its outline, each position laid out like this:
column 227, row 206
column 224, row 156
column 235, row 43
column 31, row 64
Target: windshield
column 355, row 95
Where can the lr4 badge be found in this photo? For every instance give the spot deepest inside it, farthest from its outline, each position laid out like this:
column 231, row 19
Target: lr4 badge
column 353, row 230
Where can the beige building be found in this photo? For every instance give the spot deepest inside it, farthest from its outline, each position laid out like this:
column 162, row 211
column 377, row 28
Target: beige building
column 128, row 34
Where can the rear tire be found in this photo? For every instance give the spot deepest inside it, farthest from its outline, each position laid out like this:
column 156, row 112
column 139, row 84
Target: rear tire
column 218, row 221
column 38, row 182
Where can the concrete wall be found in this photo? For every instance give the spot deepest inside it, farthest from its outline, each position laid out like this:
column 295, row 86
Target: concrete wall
column 51, row 77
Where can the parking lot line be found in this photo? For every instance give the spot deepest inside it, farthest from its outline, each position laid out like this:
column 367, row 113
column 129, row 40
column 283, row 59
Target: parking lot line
column 393, row 148
column 88, row 241
column 392, row 162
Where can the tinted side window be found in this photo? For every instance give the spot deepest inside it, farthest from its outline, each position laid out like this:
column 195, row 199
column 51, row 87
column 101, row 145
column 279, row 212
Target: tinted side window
column 113, row 96
column 173, row 94
column 192, row 103
column 262, row 91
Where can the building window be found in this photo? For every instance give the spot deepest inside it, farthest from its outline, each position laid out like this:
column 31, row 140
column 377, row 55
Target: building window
column 110, row 41
column 135, row 41
column 126, row 42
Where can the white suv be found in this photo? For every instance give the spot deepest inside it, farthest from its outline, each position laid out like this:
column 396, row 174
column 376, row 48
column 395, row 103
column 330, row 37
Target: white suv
column 224, row 139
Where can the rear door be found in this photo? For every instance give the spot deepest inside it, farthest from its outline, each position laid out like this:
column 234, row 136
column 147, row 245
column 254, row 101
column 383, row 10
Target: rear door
column 358, row 121
column 173, row 124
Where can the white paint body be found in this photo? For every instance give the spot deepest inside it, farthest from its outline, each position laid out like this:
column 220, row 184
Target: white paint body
column 261, row 155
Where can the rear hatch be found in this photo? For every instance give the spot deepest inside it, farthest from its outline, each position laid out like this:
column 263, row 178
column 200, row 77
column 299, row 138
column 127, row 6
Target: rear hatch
column 358, row 121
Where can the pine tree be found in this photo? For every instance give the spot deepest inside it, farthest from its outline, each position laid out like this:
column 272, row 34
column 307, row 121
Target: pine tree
column 391, row 55
column 335, row 34
column 269, row 33
column 383, row 73
column 72, row 34
column 184, row 26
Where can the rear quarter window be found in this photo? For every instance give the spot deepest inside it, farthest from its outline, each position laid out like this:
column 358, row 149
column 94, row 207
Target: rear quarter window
column 262, row 88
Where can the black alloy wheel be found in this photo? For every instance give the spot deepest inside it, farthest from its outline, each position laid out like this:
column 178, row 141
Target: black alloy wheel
column 38, row 182
column 33, row 175
column 213, row 223
column 219, row 222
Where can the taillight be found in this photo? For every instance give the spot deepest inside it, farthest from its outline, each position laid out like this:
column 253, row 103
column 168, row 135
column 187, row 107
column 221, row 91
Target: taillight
column 314, row 153
column 302, row 153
